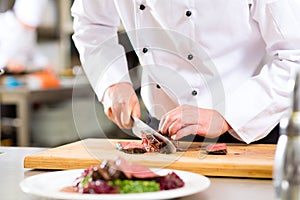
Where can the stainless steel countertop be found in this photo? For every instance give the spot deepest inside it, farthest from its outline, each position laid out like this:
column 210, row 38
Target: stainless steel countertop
column 12, row 172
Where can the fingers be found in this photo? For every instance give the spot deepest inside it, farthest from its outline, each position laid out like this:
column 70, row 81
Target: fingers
column 178, row 118
column 133, row 110
column 136, row 111
column 119, row 117
column 125, row 120
column 187, row 130
column 186, row 120
column 170, row 120
column 120, row 104
column 121, row 113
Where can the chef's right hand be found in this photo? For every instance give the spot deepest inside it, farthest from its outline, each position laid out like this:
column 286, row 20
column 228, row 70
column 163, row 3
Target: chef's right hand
column 120, row 103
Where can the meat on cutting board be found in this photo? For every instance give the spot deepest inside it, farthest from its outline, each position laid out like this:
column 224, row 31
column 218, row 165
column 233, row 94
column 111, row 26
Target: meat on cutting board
column 216, row 149
column 149, row 143
column 131, row 147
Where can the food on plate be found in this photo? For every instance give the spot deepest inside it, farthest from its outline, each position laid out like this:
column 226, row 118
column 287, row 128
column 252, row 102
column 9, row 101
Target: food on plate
column 149, row 143
column 216, row 149
column 119, row 176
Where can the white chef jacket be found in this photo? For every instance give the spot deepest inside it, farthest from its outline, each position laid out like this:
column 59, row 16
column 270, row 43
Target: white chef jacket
column 235, row 56
column 17, row 42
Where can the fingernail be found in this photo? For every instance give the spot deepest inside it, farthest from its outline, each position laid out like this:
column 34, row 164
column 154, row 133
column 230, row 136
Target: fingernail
column 174, row 137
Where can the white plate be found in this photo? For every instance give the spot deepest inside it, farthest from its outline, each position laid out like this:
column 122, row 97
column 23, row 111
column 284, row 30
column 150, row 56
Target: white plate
column 49, row 184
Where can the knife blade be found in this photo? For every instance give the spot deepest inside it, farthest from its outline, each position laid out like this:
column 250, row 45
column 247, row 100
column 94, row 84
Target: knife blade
column 140, row 128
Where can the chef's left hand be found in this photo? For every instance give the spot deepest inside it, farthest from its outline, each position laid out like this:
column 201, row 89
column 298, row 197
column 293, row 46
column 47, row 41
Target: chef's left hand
column 185, row 120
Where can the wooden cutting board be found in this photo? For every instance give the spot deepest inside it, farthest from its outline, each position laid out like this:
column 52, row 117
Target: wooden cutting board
column 254, row 160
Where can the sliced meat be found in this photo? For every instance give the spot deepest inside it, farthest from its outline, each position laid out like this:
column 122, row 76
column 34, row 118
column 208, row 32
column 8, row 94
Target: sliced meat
column 151, row 143
column 134, row 171
column 216, row 149
column 131, row 147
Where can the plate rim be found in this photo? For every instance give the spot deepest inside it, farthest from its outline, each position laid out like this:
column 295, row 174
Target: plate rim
column 165, row 194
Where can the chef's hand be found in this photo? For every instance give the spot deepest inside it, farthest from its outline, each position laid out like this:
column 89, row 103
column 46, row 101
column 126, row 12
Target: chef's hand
column 185, row 120
column 120, row 103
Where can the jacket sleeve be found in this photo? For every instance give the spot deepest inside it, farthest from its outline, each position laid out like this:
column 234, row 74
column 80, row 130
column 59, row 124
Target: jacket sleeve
column 266, row 96
column 96, row 38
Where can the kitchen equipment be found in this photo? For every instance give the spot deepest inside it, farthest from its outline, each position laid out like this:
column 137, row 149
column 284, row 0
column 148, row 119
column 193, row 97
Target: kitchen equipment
column 241, row 160
column 139, row 128
column 286, row 176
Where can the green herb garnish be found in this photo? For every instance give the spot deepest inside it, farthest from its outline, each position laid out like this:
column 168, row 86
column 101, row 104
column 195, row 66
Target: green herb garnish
column 135, row 186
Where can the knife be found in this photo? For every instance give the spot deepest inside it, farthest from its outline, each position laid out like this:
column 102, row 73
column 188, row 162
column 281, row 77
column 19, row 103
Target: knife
column 140, row 128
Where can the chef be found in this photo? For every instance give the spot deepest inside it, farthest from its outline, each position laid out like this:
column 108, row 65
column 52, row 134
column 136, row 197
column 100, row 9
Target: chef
column 18, row 40
column 210, row 68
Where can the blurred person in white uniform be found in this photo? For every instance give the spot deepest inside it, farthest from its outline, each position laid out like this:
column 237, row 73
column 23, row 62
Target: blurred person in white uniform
column 204, row 66
column 18, row 37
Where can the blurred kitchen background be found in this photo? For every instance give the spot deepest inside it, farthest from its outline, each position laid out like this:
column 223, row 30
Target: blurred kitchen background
column 51, row 116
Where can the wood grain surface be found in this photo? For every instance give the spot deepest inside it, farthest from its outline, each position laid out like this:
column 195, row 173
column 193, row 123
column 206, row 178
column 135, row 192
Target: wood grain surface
column 251, row 161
